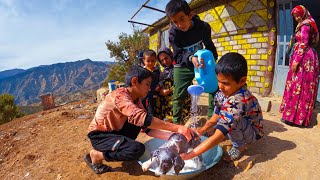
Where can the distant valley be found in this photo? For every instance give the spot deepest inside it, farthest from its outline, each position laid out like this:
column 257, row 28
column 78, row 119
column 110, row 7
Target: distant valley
column 61, row 79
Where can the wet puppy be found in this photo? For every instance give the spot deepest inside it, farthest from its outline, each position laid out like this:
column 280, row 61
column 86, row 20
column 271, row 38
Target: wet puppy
column 168, row 154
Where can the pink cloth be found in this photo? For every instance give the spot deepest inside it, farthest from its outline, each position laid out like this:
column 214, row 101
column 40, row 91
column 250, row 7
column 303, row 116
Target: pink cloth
column 301, row 87
column 116, row 109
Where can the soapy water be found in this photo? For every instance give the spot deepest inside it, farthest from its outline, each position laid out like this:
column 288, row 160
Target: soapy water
column 197, row 162
column 195, row 91
column 193, row 164
column 194, row 111
column 190, row 165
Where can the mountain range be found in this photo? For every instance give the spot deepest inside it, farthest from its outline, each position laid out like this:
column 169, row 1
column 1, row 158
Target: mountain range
column 11, row 72
column 60, row 79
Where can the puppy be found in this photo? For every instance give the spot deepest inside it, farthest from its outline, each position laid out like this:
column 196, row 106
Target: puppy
column 168, row 154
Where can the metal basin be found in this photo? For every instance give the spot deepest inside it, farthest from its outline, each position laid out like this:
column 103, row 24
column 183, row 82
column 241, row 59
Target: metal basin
column 210, row 158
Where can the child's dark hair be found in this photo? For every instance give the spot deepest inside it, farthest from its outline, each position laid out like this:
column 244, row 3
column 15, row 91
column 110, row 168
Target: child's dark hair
column 175, row 6
column 139, row 72
column 150, row 52
column 232, row 64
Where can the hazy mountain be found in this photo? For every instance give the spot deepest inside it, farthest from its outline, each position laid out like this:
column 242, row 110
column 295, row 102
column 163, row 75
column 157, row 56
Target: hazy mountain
column 11, row 72
column 60, row 79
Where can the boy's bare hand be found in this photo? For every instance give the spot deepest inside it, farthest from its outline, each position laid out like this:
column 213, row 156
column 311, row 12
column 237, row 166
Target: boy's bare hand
column 186, row 156
column 166, row 92
column 196, row 62
column 199, row 132
column 196, row 130
column 202, row 63
column 158, row 88
column 188, row 133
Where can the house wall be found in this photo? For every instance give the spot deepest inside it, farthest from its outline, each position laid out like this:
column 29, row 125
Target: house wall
column 153, row 42
column 241, row 26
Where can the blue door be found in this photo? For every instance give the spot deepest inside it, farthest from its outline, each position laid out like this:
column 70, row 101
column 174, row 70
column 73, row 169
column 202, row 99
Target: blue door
column 285, row 29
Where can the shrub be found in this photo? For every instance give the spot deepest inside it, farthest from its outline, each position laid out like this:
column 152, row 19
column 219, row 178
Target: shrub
column 8, row 110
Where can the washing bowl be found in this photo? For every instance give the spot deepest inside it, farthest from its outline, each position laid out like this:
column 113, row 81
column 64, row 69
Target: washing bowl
column 210, row 158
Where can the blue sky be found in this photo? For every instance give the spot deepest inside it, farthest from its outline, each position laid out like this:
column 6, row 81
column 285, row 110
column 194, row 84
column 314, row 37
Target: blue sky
column 42, row 32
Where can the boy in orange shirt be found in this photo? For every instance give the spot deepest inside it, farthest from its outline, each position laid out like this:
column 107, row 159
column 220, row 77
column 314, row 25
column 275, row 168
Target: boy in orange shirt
column 120, row 118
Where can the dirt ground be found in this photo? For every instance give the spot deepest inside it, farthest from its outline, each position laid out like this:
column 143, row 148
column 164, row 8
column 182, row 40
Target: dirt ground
column 51, row 144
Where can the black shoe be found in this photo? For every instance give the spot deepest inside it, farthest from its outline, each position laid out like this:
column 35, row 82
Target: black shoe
column 96, row 168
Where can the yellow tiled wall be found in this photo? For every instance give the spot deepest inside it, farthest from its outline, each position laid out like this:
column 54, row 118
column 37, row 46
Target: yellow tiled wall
column 153, row 42
column 241, row 26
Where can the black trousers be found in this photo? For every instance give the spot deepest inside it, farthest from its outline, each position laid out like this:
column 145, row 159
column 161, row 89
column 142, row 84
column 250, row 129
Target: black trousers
column 116, row 147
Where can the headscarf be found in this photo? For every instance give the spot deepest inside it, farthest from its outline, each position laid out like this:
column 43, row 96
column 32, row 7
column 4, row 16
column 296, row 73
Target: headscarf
column 168, row 70
column 165, row 50
column 306, row 20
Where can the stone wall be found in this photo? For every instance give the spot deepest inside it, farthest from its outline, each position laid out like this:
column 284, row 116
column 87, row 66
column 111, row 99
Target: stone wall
column 253, row 47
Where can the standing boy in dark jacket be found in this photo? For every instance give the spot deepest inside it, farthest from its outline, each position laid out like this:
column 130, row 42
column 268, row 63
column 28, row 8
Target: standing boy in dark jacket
column 187, row 35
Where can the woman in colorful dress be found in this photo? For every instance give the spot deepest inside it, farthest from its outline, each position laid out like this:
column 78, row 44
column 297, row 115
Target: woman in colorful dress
column 302, row 81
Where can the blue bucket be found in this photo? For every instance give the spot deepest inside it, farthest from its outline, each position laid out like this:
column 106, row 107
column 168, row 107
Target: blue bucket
column 112, row 85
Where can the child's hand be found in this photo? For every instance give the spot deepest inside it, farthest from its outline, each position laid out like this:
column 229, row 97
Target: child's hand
column 166, row 92
column 196, row 62
column 98, row 127
column 195, row 129
column 188, row 133
column 158, row 88
column 199, row 131
column 186, row 156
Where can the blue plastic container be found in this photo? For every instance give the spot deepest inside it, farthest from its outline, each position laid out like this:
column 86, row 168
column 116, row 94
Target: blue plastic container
column 195, row 90
column 206, row 77
column 112, row 85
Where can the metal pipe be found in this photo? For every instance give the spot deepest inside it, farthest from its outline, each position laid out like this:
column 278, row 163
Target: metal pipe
column 141, row 23
column 140, row 9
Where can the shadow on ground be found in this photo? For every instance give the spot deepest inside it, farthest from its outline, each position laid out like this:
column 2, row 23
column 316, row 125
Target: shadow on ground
column 314, row 121
column 133, row 168
column 267, row 148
